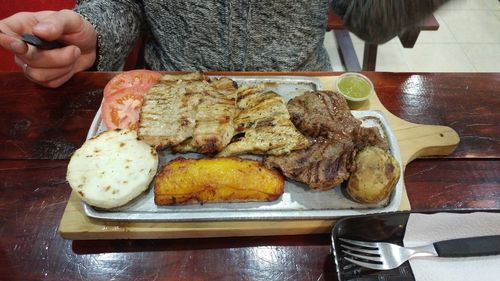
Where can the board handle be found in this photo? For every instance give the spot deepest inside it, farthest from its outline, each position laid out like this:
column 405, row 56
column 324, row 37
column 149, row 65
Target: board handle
column 416, row 140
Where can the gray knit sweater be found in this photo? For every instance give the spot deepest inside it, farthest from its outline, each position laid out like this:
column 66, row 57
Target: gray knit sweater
column 234, row 35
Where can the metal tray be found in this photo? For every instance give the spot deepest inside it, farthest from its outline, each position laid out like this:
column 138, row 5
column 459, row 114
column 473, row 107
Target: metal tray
column 297, row 202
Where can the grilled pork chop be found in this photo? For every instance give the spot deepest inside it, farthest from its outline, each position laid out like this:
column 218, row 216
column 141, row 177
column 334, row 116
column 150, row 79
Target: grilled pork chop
column 336, row 136
column 369, row 137
column 325, row 164
column 263, row 126
column 322, row 114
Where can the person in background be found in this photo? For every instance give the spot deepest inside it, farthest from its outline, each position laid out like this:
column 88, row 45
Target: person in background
column 231, row 35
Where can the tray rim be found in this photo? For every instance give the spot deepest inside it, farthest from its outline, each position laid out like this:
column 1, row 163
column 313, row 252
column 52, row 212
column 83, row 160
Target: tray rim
column 235, row 215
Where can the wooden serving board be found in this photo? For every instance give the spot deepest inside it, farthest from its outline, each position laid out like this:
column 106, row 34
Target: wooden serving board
column 414, row 140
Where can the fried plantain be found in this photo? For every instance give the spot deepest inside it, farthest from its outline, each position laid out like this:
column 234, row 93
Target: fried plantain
column 184, row 181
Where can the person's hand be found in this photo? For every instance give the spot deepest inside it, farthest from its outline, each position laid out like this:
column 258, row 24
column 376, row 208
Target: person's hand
column 51, row 68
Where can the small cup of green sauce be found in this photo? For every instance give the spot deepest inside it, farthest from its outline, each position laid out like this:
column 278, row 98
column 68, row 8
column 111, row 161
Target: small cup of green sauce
column 354, row 86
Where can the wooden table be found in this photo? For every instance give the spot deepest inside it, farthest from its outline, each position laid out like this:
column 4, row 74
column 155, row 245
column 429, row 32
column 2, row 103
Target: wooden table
column 41, row 127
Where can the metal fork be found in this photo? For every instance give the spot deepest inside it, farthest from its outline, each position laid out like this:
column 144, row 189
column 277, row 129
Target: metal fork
column 385, row 256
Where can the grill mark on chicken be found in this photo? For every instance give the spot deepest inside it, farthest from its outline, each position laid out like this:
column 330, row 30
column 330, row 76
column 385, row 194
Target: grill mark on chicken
column 159, row 126
column 209, row 145
column 184, row 122
column 213, row 127
column 265, row 122
column 244, row 93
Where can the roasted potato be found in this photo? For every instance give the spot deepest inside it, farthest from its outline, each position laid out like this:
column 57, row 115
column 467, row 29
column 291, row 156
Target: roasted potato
column 375, row 176
column 184, row 181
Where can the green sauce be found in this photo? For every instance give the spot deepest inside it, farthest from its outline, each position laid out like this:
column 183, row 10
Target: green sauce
column 355, row 87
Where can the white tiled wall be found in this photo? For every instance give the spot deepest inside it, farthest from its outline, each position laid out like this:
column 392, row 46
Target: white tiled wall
column 468, row 40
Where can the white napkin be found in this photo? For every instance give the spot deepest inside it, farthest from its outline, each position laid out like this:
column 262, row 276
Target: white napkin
column 424, row 229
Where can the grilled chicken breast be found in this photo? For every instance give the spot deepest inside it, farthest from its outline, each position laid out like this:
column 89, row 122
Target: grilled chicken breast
column 213, row 128
column 189, row 114
column 167, row 115
column 263, row 126
column 192, row 114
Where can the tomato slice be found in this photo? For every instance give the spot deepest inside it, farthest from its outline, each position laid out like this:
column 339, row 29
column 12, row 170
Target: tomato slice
column 133, row 78
column 121, row 109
